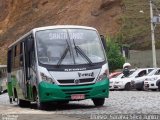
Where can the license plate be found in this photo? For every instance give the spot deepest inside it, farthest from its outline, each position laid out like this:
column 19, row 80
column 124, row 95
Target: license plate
column 77, row 96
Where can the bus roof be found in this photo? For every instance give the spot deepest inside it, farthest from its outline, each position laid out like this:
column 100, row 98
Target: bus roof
column 51, row 27
column 62, row 26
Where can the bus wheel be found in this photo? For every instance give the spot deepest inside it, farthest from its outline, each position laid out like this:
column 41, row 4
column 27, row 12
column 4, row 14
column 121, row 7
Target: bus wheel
column 23, row 103
column 40, row 105
column 98, row 101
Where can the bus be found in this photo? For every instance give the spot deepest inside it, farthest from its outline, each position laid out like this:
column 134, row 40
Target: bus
column 3, row 78
column 58, row 64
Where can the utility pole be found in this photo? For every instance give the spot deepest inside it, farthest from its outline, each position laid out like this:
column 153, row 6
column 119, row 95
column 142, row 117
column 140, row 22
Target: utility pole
column 153, row 36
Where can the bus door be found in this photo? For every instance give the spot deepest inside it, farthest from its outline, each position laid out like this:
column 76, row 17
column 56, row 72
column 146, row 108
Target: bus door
column 25, row 80
column 28, row 51
column 22, row 74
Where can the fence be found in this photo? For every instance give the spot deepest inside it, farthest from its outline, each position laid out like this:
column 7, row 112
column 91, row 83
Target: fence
column 143, row 58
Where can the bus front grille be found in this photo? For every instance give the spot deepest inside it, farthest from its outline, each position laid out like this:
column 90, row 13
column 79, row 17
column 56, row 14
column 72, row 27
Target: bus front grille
column 69, row 92
column 71, row 81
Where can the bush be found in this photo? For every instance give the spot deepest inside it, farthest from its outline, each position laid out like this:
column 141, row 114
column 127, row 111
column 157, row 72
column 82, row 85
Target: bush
column 115, row 58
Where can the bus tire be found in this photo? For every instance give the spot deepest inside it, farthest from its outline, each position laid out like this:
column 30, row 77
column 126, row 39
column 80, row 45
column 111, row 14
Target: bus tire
column 40, row 105
column 23, row 103
column 98, row 101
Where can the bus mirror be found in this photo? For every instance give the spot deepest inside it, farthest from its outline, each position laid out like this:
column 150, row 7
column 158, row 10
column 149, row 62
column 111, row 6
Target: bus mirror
column 103, row 41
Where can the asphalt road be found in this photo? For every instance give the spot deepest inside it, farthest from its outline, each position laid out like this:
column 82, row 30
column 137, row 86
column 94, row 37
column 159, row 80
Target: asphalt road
column 119, row 102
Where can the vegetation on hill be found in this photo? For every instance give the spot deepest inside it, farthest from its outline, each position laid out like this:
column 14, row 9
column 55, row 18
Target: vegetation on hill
column 135, row 29
column 115, row 58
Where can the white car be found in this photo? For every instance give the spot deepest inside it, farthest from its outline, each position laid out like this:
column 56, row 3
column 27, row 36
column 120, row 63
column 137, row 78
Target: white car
column 125, row 83
column 119, row 77
column 112, row 80
column 138, row 83
column 152, row 83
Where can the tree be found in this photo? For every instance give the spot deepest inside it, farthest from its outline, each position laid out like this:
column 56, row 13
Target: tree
column 115, row 58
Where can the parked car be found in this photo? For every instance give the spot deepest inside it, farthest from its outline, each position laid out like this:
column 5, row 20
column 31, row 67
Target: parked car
column 112, row 80
column 138, row 83
column 158, row 83
column 153, row 82
column 125, row 83
column 119, row 77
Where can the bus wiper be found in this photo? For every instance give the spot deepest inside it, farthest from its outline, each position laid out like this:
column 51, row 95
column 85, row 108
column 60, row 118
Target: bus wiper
column 80, row 51
column 64, row 54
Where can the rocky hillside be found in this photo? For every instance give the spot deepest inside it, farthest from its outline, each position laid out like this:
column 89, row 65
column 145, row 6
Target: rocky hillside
column 20, row 16
column 111, row 17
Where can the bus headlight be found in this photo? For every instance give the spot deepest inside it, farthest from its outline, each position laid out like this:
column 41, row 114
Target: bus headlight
column 103, row 75
column 46, row 78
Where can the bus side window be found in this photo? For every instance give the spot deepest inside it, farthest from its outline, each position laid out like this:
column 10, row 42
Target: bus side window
column 32, row 57
column 31, row 52
column 9, row 58
column 21, row 55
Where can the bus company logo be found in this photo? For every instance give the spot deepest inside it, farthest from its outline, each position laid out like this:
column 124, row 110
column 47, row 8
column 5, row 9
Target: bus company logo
column 76, row 69
column 86, row 74
column 76, row 81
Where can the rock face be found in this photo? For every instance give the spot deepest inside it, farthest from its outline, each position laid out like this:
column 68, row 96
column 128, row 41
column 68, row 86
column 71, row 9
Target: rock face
column 4, row 9
column 19, row 16
column 108, row 3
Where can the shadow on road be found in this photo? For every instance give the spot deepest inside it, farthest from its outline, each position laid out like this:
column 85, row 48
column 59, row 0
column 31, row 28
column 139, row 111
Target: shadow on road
column 60, row 107
column 70, row 106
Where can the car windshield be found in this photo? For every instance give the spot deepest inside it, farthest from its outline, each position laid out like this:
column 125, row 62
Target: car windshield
column 152, row 72
column 157, row 72
column 132, row 71
column 69, row 47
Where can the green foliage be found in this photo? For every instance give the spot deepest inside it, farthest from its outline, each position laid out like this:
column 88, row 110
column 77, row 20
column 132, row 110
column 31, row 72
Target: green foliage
column 115, row 58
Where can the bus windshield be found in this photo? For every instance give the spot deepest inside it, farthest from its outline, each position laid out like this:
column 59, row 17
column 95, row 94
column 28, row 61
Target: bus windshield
column 69, row 47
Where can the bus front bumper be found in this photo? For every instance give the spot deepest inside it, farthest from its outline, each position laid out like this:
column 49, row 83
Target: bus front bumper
column 52, row 93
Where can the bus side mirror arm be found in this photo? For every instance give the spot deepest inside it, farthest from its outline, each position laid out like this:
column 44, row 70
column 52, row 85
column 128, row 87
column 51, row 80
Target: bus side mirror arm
column 103, row 42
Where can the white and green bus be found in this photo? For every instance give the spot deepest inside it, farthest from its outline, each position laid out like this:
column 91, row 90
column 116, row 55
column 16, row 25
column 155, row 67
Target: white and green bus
column 58, row 64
